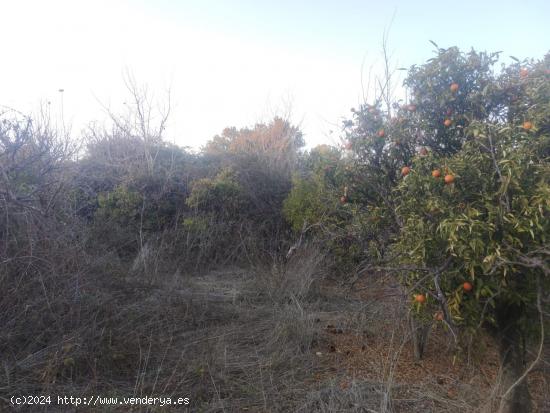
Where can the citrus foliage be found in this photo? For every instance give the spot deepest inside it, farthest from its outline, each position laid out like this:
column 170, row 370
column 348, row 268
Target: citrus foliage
column 482, row 228
column 490, row 226
column 452, row 184
column 474, row 212
column 447, row 93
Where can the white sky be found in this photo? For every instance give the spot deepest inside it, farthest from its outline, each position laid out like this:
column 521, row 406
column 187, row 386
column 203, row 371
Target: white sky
column 224, row 67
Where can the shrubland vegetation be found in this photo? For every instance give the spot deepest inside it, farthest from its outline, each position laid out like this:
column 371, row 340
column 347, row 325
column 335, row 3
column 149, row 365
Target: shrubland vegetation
column 131, row 266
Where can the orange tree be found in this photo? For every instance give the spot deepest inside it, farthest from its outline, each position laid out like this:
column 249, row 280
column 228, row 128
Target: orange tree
column 447, row 93
column 380, row 144
column 475, row 212
column 458, row 181
column 378, row 147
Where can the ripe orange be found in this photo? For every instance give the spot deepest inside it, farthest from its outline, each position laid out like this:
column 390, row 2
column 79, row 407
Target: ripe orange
column 343, row 199
column 527, row 125
column 439, row 316
column 405, row 170
column 436, row 173
column 381, row 133
column 467, row 286
column 449, row 179
column 454, row 87
column 420, row 298
column 448, row 122
column 411, row 108
column 523, row 72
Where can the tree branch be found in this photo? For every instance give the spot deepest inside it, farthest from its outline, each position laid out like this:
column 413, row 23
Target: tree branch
column 539, row 353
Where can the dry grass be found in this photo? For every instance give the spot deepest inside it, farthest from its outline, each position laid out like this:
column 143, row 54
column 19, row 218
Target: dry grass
column 275, row 339
column 222, row 339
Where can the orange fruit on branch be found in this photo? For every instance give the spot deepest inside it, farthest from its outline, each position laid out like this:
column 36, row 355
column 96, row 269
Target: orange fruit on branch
column 449, row 179
column 405, row 170
column 439, row 316
column 420, row 298
column 381, row 133
column 527, row 125
column 436, row 173
column 411, row 108
column 448, row 122
column 467, row 286
column 343, row 199
column 523, row 72
column 454, row 87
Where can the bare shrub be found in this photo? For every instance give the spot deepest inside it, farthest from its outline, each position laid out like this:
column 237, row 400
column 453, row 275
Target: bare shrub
column 294, row 280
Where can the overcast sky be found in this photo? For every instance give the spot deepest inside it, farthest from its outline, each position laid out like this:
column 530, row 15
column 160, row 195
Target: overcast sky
column 235, row 63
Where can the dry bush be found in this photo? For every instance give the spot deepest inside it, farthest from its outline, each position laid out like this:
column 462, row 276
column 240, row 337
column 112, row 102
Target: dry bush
column 42, row 264
column 293, row 280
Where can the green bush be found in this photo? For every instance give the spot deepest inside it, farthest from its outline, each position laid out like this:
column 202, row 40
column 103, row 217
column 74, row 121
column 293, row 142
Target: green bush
column 220, row 195
column 319, row 205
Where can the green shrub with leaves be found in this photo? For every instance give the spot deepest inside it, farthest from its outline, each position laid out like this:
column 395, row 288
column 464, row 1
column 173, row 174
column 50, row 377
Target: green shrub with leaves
column 304, row 204
column 131, row 192
column 319, row 205
column 122, row 205
column 117, row 221
column 220, row 195
column 314, row 188
column 215, row 226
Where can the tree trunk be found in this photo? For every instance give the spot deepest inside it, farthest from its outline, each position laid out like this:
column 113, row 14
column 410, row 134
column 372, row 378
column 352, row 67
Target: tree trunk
column 420, row 333
column 510, row 338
